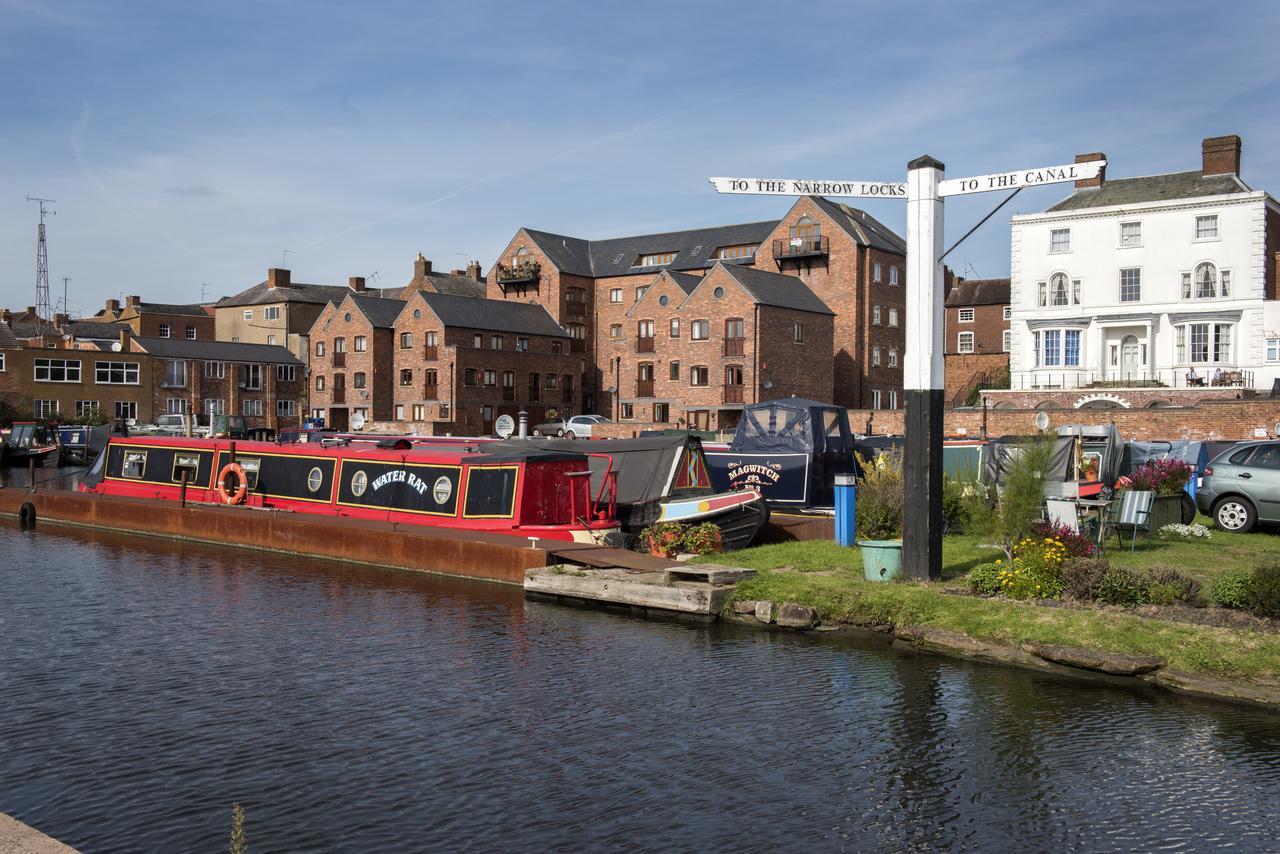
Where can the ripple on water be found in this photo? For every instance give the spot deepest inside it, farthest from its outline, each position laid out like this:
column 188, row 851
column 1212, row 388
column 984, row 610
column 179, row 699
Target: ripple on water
column 148, row 685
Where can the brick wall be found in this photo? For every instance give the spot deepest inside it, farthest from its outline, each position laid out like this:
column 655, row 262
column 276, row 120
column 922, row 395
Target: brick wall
column 988, row 328
column 963, row 372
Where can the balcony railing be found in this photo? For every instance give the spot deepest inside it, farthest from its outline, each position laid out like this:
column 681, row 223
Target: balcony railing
column 644, row 345
column 644, row 388
column 521, row 273
column 340, row 360
column 431, row 392
column 339, row 395
column 733, row 393
column 1205, row 377
column 577, row 345
column 734, row 346
column 800, row 247
column 431, row 352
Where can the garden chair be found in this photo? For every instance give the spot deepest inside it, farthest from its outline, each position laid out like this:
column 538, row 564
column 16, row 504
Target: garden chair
column 1062, row 512
column 1131, row 513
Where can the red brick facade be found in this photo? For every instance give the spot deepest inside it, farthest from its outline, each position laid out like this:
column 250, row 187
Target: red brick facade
column 352, row 365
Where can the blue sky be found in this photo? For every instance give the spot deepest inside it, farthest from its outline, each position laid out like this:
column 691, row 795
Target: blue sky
column 191, row 144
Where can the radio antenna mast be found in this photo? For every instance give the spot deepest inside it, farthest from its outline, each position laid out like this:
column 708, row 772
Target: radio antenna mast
column 43, row 312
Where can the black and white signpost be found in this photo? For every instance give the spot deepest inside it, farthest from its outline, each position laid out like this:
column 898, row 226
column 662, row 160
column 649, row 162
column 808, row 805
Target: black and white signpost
column 922, row 367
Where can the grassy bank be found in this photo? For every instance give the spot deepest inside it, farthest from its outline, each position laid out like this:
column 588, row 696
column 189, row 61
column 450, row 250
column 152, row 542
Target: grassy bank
column 829, row 579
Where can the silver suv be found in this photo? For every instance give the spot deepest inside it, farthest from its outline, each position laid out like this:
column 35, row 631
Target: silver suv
column 1241, row 487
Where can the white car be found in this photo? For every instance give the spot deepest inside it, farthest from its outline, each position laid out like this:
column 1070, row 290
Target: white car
column 168, row 425
column 574, row 427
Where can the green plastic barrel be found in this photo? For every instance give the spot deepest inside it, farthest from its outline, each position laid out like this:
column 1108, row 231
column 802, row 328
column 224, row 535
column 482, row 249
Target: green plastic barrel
column 881, row 559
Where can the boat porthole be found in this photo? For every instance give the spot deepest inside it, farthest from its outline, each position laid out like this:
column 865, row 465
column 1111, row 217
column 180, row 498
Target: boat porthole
column 315, row 478
column 442, row 490
column 359, row 481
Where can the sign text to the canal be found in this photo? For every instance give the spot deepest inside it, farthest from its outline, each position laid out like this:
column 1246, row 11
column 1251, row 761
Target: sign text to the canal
column 1021, row 178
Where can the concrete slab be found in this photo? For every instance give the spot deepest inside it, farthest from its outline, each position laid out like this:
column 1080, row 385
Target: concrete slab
column 708, row 573
column 19, row 838
column 621, row 587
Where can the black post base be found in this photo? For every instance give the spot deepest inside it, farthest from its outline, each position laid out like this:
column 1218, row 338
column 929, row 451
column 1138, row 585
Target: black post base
column 922, row 476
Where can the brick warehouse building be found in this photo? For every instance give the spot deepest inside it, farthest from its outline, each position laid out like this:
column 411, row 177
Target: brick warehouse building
column 440, row 363
column 852, row 263
column 694, row 349
column 977, row 338
column 142, row 378
column 159, row 320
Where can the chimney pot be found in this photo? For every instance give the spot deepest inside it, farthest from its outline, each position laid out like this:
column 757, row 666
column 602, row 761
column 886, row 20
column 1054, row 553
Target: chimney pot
column 457, row 272
column 421, row 267
column 1101, row 177
column 132, row 301
column 356, row 283
column 1220, row 155
column 113, row 306
column 473, row 270
column 277, row 277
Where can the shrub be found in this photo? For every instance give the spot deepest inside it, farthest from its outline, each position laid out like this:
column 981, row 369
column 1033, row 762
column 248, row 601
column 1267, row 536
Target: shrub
column 666, row 538
column 985, row 577
column 1019, row 508
column 704, row 539
column 1080, row 574
column 1163, row 477
column 1230, row 589
column 1036, row 572
column 1119, row 585
column 1168, row 583
column 1178, row 531
column 880, row 497
column 1077, row 543
column 1263, row 595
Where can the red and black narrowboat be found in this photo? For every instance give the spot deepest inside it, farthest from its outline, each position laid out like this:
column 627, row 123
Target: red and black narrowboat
column 531, row 492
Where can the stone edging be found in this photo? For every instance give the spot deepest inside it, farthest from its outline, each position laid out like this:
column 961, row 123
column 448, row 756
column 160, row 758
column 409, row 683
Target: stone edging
column 1080, row 662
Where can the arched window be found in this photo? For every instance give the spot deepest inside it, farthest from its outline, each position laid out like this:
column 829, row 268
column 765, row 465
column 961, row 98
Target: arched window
column 806, row 228
column 1059, row 290
column 1206, row 282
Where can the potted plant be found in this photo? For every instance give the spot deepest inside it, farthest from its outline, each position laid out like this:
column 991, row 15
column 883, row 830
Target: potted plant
column 1168, row 480
column 704, row 539
column 879, row 516
column 664, row 539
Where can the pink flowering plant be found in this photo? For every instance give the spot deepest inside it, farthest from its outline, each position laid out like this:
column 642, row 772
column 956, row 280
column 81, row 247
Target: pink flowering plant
column 1076, row 543
column 1163, row 477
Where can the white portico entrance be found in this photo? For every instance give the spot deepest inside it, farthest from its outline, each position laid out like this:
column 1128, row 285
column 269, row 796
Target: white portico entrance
column 1127, row 349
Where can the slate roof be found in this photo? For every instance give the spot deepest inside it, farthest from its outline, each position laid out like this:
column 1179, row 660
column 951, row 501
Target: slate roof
column 382, row 313
column 686, row 281
column 447, row 283
column 218, row 351
column 979, row 292
column 862, row 226
column 776, row 289
column 165, row 308
column 74, row 328
column 8, row 341
column 1151, row 188
column 262, row 294
column 695, row 248
column 493, row 314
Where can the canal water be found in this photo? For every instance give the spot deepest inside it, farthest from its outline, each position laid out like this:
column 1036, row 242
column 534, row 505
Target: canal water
column 146, row 685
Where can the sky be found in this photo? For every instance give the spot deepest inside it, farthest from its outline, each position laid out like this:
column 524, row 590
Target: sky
column 191, row 146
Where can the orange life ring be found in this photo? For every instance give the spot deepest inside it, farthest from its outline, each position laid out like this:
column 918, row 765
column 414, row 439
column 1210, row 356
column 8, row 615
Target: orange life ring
column 238, row 471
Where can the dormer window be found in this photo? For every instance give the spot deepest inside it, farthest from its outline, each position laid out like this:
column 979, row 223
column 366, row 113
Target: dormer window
column 744, row 250
column 655, row 259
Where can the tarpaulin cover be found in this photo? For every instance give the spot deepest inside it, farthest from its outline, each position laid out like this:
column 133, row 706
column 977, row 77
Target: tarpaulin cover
column 643, row 465
column 792, row 425
column 1004, row 450
column 1103, row 440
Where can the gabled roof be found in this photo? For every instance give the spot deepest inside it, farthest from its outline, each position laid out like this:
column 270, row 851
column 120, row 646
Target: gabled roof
column 862, row 226
column 776, row 289
column 447, row 283
column 686, row 281
column 164, row 308
column 218, row 351
column 8, row 341
column 84, row 329
column 382, row 313
column 967, row 292
column 263, row 294
column 1151, row 188
column 493, row 314
column 569, row 254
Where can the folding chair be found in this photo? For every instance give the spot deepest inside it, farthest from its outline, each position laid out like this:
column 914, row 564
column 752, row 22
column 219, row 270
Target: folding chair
column 1063, row 513
column 1132, row 512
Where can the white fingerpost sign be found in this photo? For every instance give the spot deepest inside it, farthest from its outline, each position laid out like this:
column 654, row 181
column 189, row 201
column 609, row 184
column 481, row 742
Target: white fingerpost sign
column 1022, row 178
column 810, row 187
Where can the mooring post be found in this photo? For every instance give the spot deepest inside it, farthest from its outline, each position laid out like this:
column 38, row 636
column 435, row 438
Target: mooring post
column 922, row 373
column 31, row 474
column 182, row 490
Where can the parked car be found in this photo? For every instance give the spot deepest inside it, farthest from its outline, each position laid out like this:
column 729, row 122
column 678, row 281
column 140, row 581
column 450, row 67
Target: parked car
column 574, row 427
column 168, row 425
column 1241, row 486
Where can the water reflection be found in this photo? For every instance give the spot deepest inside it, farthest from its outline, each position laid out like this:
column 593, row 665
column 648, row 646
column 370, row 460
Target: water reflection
column 147, row 684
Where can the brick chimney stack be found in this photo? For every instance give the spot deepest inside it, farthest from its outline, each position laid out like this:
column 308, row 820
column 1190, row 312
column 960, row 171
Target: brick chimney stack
column 277, row 277
column 132, row 301
column 473, row 270
column 113, row 306
column 126, row 335
column 421, row 267
column 1092, row 182
column 60, row 320
column 356, row 283
column 1221, row 155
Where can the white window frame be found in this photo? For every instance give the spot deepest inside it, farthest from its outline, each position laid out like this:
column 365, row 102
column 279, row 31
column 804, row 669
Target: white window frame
column 271, row 312
column 893, row 359
column 252, row 373
column 1056, row 246
column 251, row 406
column 1215, row 341
column 286, row 373
column 67, row 366
column 875, row 272
column 46, row 408
column 1134, row 240
column 1007, row 314
column 215, row 370
column 171, row 363
column 192, row 333
column 248, row 314
column 126, row 369
column 1272, row 349
column 893, row 317
column 126, row 409
column 615, row 296
column 797, row 333
column 359, row 344
column 875, row 315
column 875, row 357
column 2, row 367
column 1137, row 274
column 893, row 398
column 704, row 325
column 965, row 315
column 175, row 406
column 1206, row 223
column 86, row 407
column 164, row 330
column 875, row 398
column 1006, row 340
column 285, row 408
column 964, row 342
column 893, row 274
column 215, row 406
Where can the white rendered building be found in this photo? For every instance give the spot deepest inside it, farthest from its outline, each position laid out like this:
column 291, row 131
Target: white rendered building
column 1164, row 280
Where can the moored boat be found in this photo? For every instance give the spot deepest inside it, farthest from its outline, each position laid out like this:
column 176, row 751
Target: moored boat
column 529, row 492
column 28, row 442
